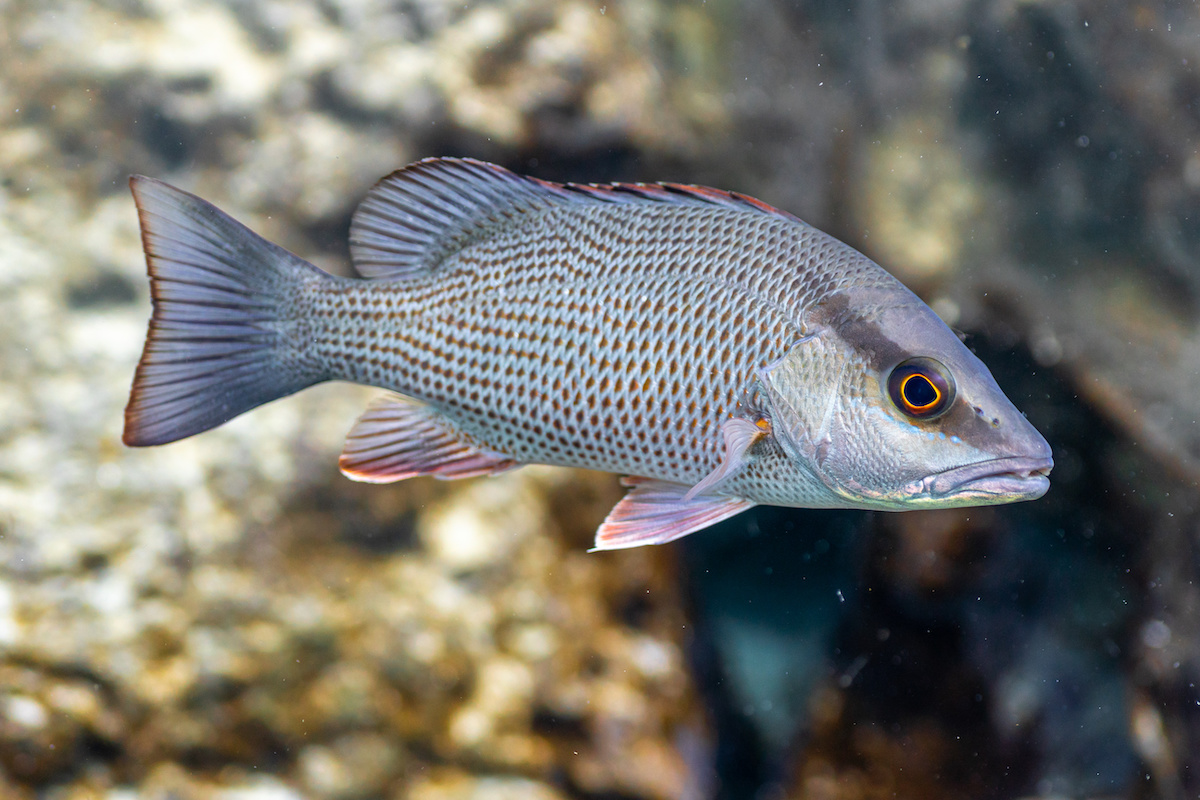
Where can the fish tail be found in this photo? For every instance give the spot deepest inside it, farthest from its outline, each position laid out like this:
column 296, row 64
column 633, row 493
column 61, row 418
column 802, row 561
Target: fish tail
column 225, row 303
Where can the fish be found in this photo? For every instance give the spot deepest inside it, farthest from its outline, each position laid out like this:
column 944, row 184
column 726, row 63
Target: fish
column 717, row 352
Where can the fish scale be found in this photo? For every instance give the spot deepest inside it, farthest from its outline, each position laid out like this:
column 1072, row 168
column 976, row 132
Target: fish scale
column 593, row 296
column 716, row 350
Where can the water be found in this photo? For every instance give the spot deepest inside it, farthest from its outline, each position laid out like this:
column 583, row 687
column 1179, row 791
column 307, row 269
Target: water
column 227, row 617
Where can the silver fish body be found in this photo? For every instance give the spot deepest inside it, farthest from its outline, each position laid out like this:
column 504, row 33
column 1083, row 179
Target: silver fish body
column 719, row 351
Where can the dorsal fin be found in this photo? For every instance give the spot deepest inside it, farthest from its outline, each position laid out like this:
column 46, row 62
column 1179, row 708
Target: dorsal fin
column 417, row 216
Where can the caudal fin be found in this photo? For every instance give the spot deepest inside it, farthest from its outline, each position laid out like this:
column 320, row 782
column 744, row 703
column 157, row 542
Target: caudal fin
column 218, row 343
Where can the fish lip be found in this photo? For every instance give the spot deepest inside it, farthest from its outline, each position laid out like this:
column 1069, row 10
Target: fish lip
column 1013, row 477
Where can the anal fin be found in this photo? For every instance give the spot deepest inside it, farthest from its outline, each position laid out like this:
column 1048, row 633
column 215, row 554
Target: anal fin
column 656, row 512
column 398, row 438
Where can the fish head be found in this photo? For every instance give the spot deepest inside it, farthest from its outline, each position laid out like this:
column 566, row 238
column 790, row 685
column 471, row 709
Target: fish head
column 885, row 406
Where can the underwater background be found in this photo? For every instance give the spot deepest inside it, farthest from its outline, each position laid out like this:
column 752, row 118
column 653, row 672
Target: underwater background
column 229, row 618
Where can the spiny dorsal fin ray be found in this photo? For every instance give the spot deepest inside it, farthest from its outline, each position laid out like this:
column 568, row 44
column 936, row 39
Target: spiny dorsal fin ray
column 417, row 216
column 398, row 438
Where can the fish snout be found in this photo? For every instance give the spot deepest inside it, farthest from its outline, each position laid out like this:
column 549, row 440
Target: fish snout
column 1007, row 479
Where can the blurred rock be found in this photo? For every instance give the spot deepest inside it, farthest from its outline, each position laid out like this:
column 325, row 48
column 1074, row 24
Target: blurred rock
column 1030, row 168
column 931, row 552
column 457, row 785
column 919, row 201
column 227, row 618
column 181, row 622
column 870, row 761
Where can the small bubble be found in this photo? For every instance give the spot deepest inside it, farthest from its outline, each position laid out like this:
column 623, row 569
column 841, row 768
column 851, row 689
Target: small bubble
column 1156, row 634
column 1047, row 349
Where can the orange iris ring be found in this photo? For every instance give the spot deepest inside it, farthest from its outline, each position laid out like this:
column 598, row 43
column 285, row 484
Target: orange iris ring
column 931, row 371
column 925, row 407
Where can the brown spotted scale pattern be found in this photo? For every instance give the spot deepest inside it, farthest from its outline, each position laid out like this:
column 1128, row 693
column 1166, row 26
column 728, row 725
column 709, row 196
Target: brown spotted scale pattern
column 614, row 336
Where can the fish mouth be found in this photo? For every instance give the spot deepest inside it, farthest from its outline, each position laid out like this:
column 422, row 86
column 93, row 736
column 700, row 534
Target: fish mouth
column 999, row 480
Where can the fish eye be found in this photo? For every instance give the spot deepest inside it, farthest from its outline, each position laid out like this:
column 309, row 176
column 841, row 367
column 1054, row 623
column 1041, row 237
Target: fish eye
column 921, row 388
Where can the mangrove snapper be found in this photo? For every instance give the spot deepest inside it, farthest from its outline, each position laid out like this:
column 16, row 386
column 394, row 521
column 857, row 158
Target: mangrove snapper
column 717, row 350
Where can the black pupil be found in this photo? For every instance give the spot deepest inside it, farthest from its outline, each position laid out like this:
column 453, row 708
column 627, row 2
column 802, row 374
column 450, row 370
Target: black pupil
column 919, row 392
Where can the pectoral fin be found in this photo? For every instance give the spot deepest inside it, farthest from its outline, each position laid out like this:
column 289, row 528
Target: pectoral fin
column 740, row 436
column 397, row 438
column 656, row 512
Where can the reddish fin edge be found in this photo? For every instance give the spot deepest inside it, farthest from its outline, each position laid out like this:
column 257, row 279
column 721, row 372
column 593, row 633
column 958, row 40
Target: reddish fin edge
column 397, row 438
column 655, row 512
